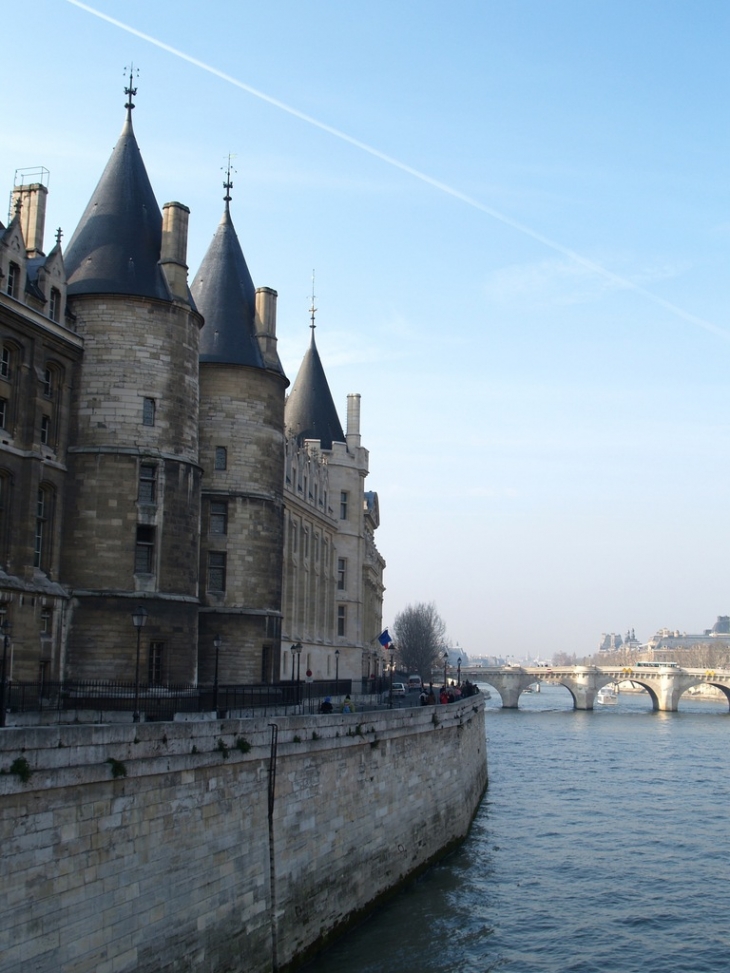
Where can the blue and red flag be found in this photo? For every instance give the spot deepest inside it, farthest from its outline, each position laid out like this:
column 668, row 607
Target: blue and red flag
column 384, row 638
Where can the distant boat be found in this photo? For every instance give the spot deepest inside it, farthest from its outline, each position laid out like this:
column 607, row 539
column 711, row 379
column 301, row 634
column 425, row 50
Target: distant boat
column 607, row 695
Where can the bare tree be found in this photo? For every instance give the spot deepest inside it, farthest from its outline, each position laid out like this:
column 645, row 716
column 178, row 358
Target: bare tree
column 419, row 633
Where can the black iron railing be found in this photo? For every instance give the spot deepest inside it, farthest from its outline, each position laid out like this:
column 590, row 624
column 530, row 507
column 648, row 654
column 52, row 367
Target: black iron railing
column 98, row 699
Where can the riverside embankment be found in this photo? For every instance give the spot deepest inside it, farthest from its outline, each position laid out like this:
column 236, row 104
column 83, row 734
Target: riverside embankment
column 235, row 845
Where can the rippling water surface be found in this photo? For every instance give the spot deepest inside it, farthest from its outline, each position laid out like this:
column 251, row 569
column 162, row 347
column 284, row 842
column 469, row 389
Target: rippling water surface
column 602, row 845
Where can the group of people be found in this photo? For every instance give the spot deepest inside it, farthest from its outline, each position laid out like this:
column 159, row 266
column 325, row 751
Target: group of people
column 448, row 693
column 326, row 706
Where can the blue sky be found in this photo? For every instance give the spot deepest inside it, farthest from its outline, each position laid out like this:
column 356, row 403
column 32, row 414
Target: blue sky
column 533, row 301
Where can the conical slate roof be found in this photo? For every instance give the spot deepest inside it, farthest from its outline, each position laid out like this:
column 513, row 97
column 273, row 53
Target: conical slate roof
column 116, row 246
column 226, row 297
column 310, row 412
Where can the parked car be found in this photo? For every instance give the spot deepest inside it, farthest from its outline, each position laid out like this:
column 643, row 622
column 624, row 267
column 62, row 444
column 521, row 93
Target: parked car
column 399, row 689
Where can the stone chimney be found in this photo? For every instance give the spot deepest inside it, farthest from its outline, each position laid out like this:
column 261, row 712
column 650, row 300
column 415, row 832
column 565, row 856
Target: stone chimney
column 32, row 200
column 266, row 299
column 173, row 254
column 353, row 420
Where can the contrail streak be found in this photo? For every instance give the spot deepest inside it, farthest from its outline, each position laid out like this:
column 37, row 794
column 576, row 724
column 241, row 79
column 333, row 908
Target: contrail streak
column 591, row 265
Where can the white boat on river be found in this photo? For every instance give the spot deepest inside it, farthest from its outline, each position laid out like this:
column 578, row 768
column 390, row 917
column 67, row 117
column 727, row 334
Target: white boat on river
column 607, row 695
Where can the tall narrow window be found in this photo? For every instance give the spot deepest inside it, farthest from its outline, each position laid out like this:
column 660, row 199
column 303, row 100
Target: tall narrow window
column 341, row 619
column 221, row 458
column 341, row 573
column 45, row 430
column 343, row 505
column 293, row 531
column 216, row 571
column 148, row 412
column 3, row 413
column 46, row 621
column 305, row 542
column 147, row 483
column 5, row 362
column 218, row 517
column 154, row 663
column 144, row 550
column 54, row 304
column 13, row 287
column 48, row 382
column 43, row 511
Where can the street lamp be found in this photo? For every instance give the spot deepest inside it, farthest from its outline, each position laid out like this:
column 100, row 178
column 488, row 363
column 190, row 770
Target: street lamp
column 337, row 672
column 139, row 618
column 6, row 629
column 297, row 651
column 446, row 662
column 217, row 646
column 458, row 671
column 392, row 667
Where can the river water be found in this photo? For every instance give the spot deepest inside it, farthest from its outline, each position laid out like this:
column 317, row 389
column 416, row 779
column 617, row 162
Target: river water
column 602, row 844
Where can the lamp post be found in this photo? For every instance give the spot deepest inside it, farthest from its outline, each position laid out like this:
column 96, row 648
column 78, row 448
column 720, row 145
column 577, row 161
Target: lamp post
column 297, row 652
column 458, row 671
column 337, row 672
column 392, row 667
column 446, row 662
column 6, row 628
column 139, row 618
column 217, row 646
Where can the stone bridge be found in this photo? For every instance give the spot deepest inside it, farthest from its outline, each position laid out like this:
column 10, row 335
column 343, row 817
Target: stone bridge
column 665, row 684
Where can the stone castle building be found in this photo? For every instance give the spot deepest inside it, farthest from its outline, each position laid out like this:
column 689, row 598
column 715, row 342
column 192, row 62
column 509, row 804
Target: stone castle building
column 146, row 461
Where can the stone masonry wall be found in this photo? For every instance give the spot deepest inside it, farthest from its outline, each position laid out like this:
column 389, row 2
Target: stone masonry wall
column 145, row 848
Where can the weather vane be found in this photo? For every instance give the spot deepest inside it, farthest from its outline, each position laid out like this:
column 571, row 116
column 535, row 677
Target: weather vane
column 228, row 184
column 131, row 91
column 312, row 309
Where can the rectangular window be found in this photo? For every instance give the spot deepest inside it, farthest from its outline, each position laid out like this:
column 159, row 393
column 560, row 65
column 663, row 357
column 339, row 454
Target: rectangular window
column 306, row 542
column 46, row 621
column 218, row 517
column 216, row 571
column 54, row 304
column 148, row 412
column 5, row 363
column 221, row 458
column 341, row 619
column 48, row 383
column 341, row 573
column 13, row 280
column 45, row 430
column 293, row 530
column 145, row 550
column 41, row 520
column 343, row 505
column 315, row 553
column 154, row 664
column 3, row 413
column 147, row 483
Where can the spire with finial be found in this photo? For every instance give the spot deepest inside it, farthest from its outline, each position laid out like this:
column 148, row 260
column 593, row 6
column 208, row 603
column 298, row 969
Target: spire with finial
column 228, row 184
column 59, row 234
column 312, row 309
column 130, row 92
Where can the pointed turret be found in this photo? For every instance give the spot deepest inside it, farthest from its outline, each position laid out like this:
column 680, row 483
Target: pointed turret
column 310, row 410
column 116, row 246
column 226, row 297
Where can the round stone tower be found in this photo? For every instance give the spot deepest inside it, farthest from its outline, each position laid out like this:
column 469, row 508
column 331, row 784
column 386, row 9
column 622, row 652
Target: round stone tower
column 132, row 518
column 242, row 389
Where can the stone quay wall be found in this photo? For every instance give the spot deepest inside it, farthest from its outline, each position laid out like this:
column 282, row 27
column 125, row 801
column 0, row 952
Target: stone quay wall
column 151, row 847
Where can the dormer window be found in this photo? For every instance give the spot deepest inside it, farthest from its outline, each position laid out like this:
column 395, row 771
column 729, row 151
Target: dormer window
column 54, row 305
column 13, row 280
